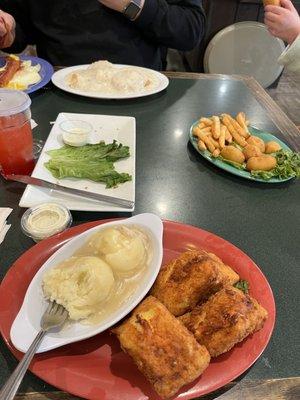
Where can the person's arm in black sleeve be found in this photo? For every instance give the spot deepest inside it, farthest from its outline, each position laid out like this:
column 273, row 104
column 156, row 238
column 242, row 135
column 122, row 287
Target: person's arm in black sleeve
column 20, row 11
column 179, row 24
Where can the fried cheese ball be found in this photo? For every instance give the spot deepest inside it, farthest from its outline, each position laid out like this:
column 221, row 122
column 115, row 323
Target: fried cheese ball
column 251, row 151
column 224, row 320
column 191, row 279
column 262, row 163
column 258, row 142
column 161, row 347
column 232, row 153
column 272, row 147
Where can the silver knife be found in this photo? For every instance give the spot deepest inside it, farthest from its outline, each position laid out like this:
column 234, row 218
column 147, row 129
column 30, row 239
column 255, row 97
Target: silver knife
column 30, row 180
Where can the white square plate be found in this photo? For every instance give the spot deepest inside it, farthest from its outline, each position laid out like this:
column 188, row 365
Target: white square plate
column 105, row 127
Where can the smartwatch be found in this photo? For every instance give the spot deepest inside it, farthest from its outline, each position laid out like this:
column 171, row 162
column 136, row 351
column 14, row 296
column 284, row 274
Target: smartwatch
column 132, row 9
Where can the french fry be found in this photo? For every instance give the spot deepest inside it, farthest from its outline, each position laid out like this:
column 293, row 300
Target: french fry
column 228, row 136
column 241, row 119
column 222, row 136
column 206, row 121
column 242, row 115
column 247, row 122
column 207, row 129
column 215, row 142
column 239, row 139
column 203, row 134
column 201, row 125
column 236, row 136
column 241, row 131
column 216, row 153
column 216, row 129
column 198, row 132
column 210, row 146
column 201, row 145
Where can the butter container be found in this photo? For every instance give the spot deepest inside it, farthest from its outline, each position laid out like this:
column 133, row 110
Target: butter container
column 45, row 220
column 75, row 133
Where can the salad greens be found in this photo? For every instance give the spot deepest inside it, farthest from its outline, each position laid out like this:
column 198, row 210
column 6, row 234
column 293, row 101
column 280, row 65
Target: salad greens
column 110, row 152
column 233, row 163
column 288, row 166
column 92, row 161
column 236, row 145
column 243, row 286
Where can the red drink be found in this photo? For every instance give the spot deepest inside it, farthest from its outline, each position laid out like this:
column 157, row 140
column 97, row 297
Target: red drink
column 16, row 143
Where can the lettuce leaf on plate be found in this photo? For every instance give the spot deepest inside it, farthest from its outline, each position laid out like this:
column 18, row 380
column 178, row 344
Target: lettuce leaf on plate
column 233, row 163
column 110, row 152
column 242, row 285
column 288, row 166
column 92, row 161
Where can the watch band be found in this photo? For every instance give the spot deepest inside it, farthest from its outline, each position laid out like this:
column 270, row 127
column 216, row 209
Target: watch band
column 132, row 9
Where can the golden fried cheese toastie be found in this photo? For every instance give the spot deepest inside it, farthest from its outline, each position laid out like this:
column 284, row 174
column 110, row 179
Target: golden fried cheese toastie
column 161, row 347
column 191, row 279
column 226, row 319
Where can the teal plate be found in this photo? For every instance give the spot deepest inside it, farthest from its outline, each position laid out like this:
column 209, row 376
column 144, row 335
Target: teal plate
column 266, row 137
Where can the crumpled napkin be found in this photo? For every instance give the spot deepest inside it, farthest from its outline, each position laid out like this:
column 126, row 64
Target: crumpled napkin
column 4, row 227
column 33, row 123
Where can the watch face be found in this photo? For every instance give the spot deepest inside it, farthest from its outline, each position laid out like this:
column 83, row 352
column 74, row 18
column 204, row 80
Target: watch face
column 132, row 10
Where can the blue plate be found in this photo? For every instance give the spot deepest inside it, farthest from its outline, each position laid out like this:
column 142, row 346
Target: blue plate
column 266, row 137
column 46, row 71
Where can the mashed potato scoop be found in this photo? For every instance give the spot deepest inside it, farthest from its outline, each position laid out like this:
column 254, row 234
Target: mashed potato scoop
column 124, row 249
column 80, row 284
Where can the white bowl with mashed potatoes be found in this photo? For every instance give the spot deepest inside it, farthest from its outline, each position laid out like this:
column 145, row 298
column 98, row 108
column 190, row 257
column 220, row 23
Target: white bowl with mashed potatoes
column 99, row 277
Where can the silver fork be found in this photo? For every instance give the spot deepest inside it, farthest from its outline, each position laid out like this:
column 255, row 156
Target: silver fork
column 53, row 317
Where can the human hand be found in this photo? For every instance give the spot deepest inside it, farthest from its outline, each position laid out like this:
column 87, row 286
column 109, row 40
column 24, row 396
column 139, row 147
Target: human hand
column 117, row 5
column 283, row 22
column 7, row 29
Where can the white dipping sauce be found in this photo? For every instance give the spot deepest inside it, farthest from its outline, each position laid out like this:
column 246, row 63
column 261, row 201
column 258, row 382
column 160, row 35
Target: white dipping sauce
column 45, row 220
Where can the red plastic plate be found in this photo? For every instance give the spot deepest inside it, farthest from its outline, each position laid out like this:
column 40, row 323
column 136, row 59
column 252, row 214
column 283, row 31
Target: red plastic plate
column 97, row 368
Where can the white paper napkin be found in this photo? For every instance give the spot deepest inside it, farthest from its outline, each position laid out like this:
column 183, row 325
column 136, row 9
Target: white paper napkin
column 33, row 123
column 4, row 227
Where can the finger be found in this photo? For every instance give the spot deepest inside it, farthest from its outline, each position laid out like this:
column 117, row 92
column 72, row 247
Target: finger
column 287, row 4
column 273, row 32
column 271, row 17
column 7, row 19
column 272, row 25
column 3, row 30
column 273, row 9
column 266, row 22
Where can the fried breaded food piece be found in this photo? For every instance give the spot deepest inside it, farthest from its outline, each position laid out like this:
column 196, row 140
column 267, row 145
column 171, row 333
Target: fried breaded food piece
column 161, row 347
column 230, row 277
column 191, row 279
column 224, row 320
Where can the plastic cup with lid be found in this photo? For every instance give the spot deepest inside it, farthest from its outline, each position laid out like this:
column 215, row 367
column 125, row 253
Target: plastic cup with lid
column 16, row 142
